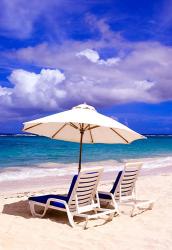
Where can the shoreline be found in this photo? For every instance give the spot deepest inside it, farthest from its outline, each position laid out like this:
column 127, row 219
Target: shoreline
column 33, row 185
column 15, row 180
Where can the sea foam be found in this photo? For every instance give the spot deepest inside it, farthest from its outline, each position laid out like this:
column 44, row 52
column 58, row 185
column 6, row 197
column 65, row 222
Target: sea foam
column 58, row 169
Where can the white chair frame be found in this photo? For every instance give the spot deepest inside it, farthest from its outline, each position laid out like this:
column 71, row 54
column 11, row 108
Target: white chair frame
column 125, row 192
column 74, row 207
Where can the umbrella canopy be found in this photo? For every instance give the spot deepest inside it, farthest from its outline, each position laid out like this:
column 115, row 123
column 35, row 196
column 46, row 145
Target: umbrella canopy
column 82, row 124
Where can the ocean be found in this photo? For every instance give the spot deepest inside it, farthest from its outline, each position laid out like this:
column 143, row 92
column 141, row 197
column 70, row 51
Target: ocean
column 24, row 156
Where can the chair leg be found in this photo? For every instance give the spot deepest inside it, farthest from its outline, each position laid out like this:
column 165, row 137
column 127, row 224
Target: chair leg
column 34, row 213
column 70, row 218
column 132, row 211
column 115, row 205
column 85, row 225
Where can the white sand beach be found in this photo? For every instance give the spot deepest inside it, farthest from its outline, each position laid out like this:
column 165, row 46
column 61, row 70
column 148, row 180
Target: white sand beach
column 85, row 106
column 149, row 230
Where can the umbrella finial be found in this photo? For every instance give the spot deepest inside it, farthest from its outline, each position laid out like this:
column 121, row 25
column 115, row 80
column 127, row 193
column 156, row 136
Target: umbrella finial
column 84, row 106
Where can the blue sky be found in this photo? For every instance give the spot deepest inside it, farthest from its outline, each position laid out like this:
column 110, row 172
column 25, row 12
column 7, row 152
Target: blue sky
column 115, row 55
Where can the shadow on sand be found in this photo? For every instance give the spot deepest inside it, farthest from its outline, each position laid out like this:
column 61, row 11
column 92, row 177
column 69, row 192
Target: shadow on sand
column 21, row 209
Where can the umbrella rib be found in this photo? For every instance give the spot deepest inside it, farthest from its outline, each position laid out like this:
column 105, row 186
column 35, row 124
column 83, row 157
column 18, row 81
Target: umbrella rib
column 25, row 129
column 91, row 135
column 58, row 130
column 96, row 126
column 119, row 135
column 73, row 125
column 87, row 127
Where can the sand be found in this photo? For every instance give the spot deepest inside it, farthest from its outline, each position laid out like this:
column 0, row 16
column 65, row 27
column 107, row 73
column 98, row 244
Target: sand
column 149, row 230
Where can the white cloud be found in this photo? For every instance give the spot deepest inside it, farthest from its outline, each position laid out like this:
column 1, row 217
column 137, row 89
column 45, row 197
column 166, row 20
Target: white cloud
column 90, row 54
column 110, row 61
column 93, row 56
column 38, row 91
column 5, row 91
column 145, row 85
column 135, row 72
column 21, row 18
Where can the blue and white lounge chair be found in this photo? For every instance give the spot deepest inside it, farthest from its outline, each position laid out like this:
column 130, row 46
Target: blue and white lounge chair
column 81, row 198
column 123, row 190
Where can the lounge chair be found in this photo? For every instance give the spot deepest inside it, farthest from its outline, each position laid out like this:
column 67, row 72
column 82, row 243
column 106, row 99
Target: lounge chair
column 81, row 198
column 123, row 190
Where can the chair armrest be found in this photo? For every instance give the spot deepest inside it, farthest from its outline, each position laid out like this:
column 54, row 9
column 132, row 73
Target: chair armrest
column 56, row 200
column 108, row 193
column 104, row 192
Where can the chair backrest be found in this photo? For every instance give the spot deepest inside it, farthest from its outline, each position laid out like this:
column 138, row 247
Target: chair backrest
column 128, row 180
column 117, row 182
column 83, row 195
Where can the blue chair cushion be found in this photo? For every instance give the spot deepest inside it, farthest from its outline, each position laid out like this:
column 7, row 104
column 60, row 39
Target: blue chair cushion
column 72, row 186
column 104, row 196
column 116, row 182
column 107, row 196
column 43, row 198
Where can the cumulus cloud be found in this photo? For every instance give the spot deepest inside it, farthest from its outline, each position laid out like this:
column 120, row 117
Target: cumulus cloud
column 133, row 72
column 110, row 61
column 81, row 80
column 42, row 91
column 142, row 65
column 5, row 91
column 90, row 54
column 94, row 57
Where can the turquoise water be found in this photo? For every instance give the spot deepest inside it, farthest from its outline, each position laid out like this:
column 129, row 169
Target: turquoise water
column 25, row 151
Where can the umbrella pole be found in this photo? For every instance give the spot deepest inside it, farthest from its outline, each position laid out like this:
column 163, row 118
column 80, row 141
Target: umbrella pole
column 80, row 151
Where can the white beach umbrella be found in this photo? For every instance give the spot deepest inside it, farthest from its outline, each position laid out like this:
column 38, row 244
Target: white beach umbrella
column 82, row 124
